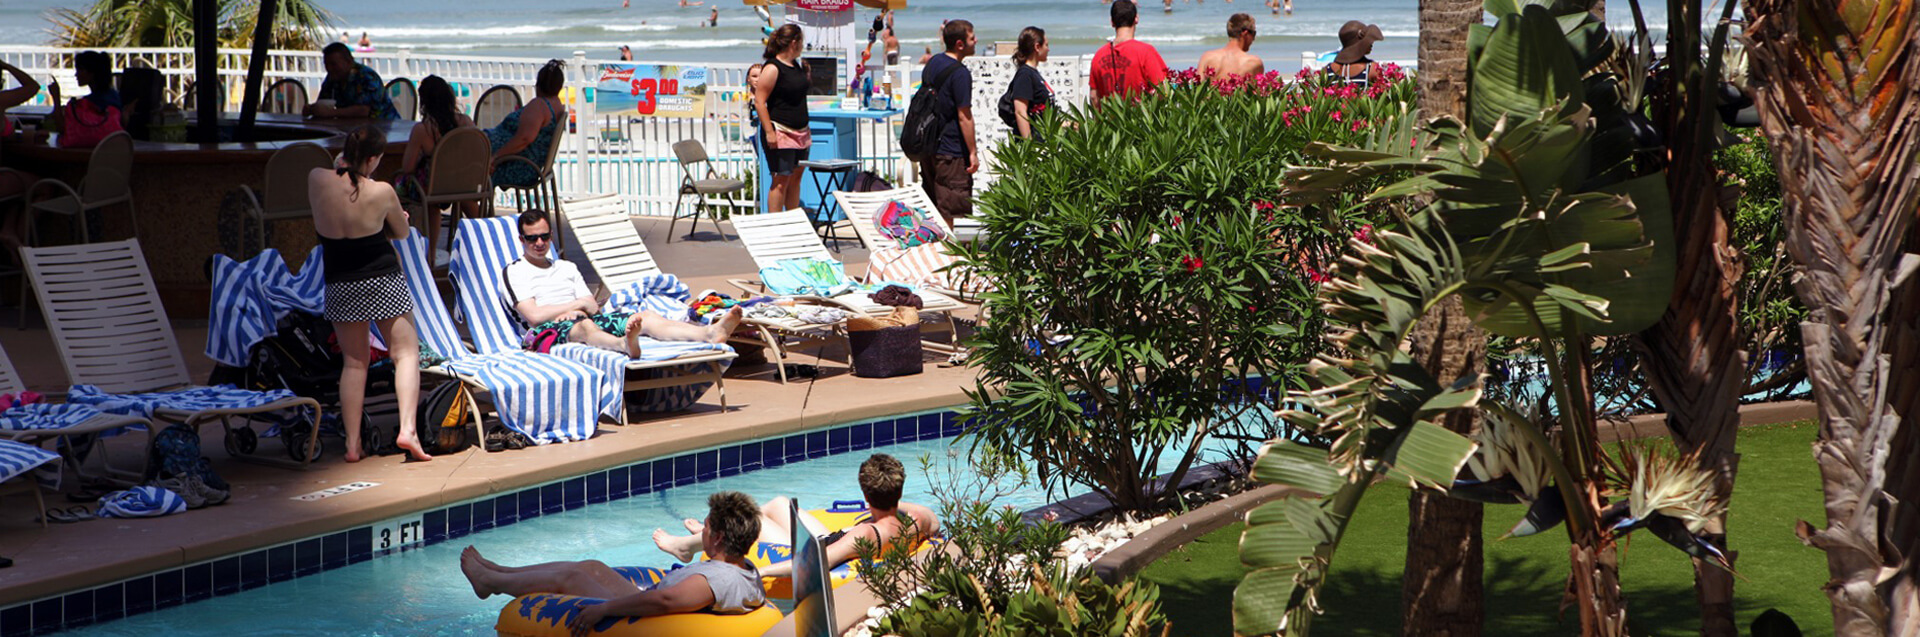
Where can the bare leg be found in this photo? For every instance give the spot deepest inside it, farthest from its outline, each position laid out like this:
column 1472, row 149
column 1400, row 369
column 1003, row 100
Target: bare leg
column 662, row 328
column 353, row 381
column 585, row 331
column 590, row 578
column 775, row 521
column 404, row 346
column 777, row 194
column 793, row 187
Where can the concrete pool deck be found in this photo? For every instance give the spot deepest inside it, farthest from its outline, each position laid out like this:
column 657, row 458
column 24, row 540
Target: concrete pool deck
column 69, row 557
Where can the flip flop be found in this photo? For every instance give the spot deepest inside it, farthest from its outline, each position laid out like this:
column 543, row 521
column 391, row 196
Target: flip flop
column 6, row 562
column 68, row 515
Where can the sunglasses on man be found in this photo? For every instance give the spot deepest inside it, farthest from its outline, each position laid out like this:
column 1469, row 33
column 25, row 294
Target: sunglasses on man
column 536, row 238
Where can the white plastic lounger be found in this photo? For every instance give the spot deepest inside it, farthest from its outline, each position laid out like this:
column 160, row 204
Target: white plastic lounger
column 777, row 236
column 887, row 260
column 119, row 348
column 34, row 424
column 17, row 460
column 670, row 375
column 618, row 254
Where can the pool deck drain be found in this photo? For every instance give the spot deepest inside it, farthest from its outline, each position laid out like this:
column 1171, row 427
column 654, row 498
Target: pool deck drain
column 267, row 508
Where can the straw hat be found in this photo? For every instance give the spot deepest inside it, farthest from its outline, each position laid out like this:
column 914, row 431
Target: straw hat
column 1356, row 41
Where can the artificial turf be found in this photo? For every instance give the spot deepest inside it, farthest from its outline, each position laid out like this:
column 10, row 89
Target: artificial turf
column 1778, row 484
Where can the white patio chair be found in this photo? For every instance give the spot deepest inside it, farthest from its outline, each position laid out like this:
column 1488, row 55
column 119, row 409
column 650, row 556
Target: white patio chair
column 108, row 181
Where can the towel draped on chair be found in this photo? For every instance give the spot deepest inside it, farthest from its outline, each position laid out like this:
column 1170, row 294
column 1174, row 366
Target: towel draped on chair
column 250, row 297
column 18, row 457
column 188, row 399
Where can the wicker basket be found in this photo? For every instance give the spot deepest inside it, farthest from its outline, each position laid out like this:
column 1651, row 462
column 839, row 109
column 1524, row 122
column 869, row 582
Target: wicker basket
column 886, row 352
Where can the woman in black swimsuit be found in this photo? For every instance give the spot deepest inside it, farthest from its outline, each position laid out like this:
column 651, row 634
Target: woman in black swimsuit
column 356, row 217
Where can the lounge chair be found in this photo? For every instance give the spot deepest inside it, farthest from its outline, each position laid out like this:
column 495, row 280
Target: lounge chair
column 35, row 424
column 921, row 267
column 119, row 348
column 18, row 459
column 774, row 237
column 545, row 397
column 674, row 374
column 617, row 253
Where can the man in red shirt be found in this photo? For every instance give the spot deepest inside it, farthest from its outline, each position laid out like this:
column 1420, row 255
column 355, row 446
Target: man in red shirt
column 1126, row 67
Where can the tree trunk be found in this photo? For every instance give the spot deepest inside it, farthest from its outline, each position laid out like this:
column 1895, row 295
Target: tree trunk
column 1834, row 87
column 1692, row 357
column 1442, row 593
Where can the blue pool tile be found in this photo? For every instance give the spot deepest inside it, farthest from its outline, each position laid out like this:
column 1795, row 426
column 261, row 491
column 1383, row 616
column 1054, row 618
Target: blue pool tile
column 169, row 589
column 949, row 423
column 77, row 609
column 816, row 444
column 281, row 562
column 139, row 595
column 706, row 466
column 529, row 504
column 685, row 469
column 839, row 440
column 433, row 526
column 773, row 453
column 617, row 484
column 929, row 426
column 197, row 582
column 46, row 615
column 459, row 520
column 862, row 436
column 253, row 574
column 308, row 558
column 883, row 433
column 109, row 602
column 750, row 455
column 906, row 429
column 359, row 549
column 573, row 494
column 226, row 572
column 505, row 511
column 333, row 554
column 553, row 497
column 662, row 474
column 730, row 463
column 597, row 487
column 16, row 620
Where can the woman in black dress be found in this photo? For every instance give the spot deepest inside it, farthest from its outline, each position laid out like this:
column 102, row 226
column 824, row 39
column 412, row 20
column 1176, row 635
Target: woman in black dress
column 780, row 97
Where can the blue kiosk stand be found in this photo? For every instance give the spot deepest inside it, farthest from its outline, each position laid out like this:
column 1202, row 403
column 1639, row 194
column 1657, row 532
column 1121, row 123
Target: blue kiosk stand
column 835, row 143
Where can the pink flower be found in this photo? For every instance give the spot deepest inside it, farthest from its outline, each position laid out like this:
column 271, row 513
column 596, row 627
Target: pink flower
column 1336, row 116
column 1262, row 205
column 1364, row 234
column 1176, row 221
column 1358, row 124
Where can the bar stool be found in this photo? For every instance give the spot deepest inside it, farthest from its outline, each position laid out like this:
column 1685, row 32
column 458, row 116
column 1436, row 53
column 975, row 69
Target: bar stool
column 827, row 217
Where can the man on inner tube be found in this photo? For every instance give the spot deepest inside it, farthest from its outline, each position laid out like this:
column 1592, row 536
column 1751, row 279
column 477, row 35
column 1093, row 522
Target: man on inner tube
column 726, row 585
column 881, row 480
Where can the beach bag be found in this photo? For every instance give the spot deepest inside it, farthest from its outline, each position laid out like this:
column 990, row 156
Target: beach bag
column 867, row 181
column 885, row 347
column 907, row 226
column 86, row 124
column 927, row 116
column 443, row 418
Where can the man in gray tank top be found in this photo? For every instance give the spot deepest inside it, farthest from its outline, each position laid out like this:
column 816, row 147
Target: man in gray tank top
column 726, row 584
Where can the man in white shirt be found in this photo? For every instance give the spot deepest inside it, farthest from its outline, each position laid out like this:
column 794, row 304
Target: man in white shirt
column 551, row 295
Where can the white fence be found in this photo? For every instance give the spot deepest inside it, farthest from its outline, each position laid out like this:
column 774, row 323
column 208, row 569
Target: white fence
column 628, row 155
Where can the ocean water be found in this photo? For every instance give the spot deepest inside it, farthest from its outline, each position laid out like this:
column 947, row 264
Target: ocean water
column 662, row 31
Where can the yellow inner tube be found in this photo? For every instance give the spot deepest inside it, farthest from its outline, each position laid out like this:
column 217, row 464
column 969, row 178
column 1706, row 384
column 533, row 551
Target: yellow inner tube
column 766, row 554
column 547, row 615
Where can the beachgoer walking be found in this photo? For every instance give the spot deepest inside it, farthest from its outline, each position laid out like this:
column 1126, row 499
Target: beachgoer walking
column 726, row 584
column 356, row 90
column 713, row 18
column 356, row 217
column 1289, row 5
column 1028, row 95
column 529, row 132
column 1352, row 65
column 949, row 175
column 1234, row 58
column 1125, row 66
column 439, row 115
column 780, row 96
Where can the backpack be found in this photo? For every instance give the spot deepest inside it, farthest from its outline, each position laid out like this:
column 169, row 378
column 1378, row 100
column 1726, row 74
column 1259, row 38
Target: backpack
column 176, row 451
column 867, row 181
column 907, row 226
column 927, row 117
column 442, row 419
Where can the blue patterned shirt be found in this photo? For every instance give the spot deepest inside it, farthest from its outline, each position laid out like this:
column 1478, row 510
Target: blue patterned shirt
column 362, row 87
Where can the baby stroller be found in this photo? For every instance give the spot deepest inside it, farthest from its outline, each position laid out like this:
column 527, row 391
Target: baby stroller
column 303, row 357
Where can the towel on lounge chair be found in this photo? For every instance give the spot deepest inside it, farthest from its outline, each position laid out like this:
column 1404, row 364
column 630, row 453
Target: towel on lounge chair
column 250, row 297
column 662, row 294
column 189, row 399
column 18, row 457
column 808, row 276
column 141, row 502
column 40, row 416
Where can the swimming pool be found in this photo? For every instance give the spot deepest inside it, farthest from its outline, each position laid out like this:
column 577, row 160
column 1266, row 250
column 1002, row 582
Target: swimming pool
column 416, row 588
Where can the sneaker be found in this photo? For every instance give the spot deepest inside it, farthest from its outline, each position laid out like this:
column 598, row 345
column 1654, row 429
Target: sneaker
column 179, row 486
column 212, row 494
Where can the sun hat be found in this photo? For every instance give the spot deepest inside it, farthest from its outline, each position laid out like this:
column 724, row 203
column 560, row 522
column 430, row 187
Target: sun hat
column 1356, row 40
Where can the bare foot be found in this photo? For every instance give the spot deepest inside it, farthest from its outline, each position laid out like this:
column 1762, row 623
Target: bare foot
column 676, row 546
column 353, row 449
column 475, row 572
column 720, row 330
column 412, row 445
column 489, row 564
column 633, row 336
column 693, row 526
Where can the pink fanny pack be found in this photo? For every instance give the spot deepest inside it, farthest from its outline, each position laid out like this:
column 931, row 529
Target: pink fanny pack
column 788, row 139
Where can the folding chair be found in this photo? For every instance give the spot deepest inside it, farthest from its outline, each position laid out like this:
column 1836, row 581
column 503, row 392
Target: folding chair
column 405, row 96
column 688, row 153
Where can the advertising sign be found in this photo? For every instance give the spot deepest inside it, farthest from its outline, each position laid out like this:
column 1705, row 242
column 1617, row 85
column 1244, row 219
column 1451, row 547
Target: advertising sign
column 651, row 90
column 825, row 5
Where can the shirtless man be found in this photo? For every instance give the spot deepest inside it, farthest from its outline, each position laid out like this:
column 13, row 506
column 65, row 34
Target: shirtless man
column 881, row 480
column 1233, row 59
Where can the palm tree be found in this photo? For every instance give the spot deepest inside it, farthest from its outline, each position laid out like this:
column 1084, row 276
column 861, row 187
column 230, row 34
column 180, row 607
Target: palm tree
column 1442, row 592
column 1834, row 88
column 301, row 24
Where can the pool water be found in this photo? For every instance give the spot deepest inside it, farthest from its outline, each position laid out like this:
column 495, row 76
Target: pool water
column 422, row 592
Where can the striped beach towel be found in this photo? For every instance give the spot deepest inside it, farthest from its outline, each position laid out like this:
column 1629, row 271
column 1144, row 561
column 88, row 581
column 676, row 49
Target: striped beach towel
column 250, row 297
column 198, row 398
column 44, row 416
column 547, row 398
column 141, row 502
column 927, row 265
column 17, row 458
column 661, row 294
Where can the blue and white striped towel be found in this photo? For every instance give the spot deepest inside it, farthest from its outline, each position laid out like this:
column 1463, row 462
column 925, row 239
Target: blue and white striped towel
column 141, row 502
column 189, row 399
column 662, row 294
column 39, row 416
column 250, row 297
column 18, row 457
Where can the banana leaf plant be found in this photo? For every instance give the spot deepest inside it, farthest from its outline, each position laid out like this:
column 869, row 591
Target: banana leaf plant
column 1522, row 214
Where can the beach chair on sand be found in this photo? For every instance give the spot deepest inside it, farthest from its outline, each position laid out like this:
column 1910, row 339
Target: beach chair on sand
column 920, row 266
column 613, row 246
column 773, row 237
column 669, row 375
column 548, row 398
column 119, row 348
column 37, row 423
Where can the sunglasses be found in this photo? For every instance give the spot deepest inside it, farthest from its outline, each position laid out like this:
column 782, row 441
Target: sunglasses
column 531, row 238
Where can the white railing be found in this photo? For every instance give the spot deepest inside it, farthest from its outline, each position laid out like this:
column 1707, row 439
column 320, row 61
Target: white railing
column 631, row 156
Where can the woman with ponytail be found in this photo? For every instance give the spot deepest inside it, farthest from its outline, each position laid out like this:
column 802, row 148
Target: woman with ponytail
column 780, row 97
column 356, row 217
column 1028, row 95
column 438, row 116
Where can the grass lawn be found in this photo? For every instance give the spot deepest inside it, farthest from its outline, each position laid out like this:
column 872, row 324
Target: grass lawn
column 1778, row 484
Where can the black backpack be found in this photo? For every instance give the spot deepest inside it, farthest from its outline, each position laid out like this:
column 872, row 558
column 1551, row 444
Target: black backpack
column 442, row 420
column 927, row 117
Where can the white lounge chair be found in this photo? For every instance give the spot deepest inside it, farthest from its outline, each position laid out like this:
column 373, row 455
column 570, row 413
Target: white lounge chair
column 17, row 460
column 32, row 426
column 618, row 254
column 672, row 374
column 885, row 259
column 119, row 348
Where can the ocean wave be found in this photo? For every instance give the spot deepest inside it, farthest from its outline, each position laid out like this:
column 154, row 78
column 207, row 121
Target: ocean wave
column 502, row 31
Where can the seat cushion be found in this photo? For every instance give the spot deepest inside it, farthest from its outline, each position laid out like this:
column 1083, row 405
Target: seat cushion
column 713, row 186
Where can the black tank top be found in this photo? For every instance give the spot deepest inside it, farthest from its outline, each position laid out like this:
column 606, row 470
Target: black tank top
column 787, row 105
column 359, row 259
